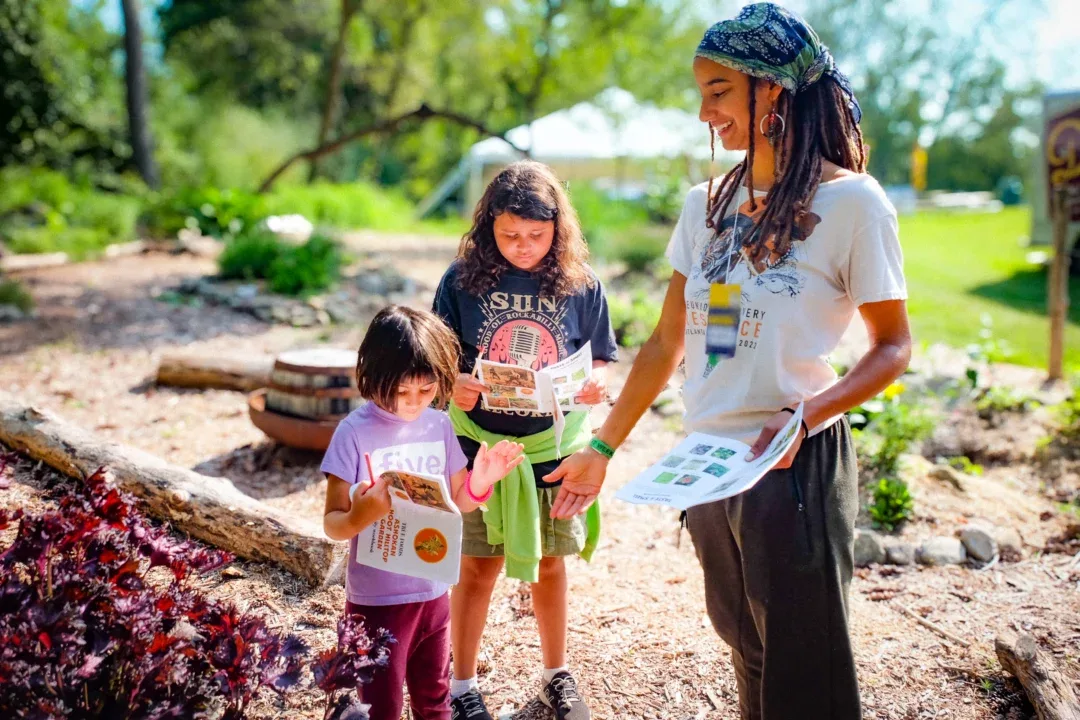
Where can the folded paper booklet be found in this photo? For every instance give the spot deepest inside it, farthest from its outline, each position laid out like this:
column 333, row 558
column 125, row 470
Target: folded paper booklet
column 540, row 392
column 421, row 536
column 704, row 468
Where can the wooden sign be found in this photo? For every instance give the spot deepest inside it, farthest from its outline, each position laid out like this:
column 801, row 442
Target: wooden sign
column 1063, row 161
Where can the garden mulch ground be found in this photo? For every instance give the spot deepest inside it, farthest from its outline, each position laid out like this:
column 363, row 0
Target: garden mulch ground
column 640, row 643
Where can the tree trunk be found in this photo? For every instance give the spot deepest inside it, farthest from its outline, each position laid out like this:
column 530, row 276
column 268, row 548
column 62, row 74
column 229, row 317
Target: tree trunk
column 333, row 85
column 188, row 370
column 207, row 508
column 1050, row 692
column 137, row 103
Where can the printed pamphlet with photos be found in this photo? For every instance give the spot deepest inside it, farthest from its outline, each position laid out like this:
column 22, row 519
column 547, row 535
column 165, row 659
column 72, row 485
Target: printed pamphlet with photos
column 421, row 536
column 541, row 392
column 705, row 468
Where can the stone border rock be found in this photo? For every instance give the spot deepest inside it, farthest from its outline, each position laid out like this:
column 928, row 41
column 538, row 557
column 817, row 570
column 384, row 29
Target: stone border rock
column 977, row 543
column 355, row 300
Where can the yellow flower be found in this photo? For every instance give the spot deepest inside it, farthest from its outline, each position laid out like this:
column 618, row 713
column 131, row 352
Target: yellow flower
column 894, row 390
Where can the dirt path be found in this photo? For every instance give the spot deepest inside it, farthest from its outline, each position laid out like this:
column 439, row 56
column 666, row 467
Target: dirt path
column 640, row 642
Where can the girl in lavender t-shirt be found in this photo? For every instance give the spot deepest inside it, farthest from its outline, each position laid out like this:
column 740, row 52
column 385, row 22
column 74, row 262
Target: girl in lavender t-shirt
column 407, row 360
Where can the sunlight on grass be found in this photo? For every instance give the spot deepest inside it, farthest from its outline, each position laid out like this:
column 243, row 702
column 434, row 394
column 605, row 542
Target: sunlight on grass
column 961, row 266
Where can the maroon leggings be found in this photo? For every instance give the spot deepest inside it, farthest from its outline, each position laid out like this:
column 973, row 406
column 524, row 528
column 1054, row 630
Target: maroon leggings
column 420, row 658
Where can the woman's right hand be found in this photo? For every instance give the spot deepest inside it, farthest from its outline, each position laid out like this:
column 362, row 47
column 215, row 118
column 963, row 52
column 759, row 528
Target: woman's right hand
column 582, row 474
column 467, row 391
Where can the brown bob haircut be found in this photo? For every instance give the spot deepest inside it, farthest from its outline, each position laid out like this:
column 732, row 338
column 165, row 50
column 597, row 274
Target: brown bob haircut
column 402, row 343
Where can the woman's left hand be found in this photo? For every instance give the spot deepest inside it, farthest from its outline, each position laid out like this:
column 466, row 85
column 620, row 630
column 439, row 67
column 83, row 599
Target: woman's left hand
column 776, row 424
column 594, row 391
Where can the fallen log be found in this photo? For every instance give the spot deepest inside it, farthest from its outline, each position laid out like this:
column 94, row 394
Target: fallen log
column 1050, row 692
column 32, row 261
column 245, row 373
column 207, row 508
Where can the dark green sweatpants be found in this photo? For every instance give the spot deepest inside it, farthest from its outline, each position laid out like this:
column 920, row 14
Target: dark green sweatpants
column 778, row 561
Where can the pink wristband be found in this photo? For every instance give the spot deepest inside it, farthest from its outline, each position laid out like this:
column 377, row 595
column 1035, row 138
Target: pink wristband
column 477, row 499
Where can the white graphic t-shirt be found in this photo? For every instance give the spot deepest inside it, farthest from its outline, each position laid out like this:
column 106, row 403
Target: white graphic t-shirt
column 795, row 307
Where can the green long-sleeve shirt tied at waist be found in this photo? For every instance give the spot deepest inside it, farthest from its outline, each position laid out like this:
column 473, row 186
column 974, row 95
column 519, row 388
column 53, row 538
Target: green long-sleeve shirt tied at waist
column 513, row 514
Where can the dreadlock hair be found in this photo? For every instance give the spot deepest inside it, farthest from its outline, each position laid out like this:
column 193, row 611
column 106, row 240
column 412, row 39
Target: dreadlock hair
column 532, row 191
column 817, row 125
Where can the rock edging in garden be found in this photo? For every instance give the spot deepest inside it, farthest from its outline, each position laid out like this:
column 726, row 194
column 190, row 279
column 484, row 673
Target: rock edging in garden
column 976, row 543
column 355, row 301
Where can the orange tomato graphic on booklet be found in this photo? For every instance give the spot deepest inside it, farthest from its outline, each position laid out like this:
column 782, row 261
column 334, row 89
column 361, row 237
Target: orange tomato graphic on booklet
column 430, row 545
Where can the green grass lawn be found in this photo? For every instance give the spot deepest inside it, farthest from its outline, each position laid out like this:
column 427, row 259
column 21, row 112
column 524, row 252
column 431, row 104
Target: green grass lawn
column 961, row 267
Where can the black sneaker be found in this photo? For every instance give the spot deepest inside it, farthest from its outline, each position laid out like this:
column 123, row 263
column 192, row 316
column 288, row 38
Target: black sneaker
column 561, row 695
column 469, row 706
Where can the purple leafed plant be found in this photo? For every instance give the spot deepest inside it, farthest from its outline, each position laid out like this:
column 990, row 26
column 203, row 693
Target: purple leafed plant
column 357, row 657
column 84, row 634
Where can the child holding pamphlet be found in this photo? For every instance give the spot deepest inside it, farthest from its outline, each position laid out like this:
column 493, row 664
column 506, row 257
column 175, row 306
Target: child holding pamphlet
column 533, row 320
column 407, row 360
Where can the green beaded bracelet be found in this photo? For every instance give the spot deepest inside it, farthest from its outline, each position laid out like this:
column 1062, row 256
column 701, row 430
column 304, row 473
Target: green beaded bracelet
column 601, row 447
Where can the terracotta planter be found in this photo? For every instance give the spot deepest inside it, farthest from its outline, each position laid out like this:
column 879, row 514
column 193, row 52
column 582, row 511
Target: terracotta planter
column 288, row 430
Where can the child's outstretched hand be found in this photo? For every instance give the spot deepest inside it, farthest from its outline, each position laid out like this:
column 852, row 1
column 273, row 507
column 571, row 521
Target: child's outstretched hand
column 492, row 464
column 594, row 391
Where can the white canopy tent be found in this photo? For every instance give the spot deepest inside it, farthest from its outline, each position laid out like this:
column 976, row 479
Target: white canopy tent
column 612, row 128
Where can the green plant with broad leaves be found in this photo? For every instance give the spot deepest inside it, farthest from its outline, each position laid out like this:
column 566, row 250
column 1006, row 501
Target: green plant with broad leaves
column 306, row 269
column 287, row 269
column 889, row 426
column 250, row 256
column 892, row 504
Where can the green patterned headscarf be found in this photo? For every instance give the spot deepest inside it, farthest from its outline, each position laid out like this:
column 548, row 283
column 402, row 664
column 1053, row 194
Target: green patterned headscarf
column 770, row 42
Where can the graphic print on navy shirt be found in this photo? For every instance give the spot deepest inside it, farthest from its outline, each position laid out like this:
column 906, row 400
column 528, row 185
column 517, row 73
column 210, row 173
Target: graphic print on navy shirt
column 513, row 324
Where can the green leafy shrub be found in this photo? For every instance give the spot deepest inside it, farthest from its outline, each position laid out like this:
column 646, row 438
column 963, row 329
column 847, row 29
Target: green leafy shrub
column 250, row 256
column 308, row 268
column 1067, row 414
column 42, row 211
column 892, row 504
column 13, row 293
column 999, row 400
column 633, row 319
column 891, row 427
column 227, row 213
column 210, row 210
column 287, row 269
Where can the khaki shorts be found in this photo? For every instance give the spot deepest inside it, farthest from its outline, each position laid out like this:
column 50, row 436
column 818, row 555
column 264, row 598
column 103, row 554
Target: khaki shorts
column 558, row 538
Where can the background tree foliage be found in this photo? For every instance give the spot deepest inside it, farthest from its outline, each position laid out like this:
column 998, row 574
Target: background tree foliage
column 63, row 99
column 923, row 79
column 237, row 86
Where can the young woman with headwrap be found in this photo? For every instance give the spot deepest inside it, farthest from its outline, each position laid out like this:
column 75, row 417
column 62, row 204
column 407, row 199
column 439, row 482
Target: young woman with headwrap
column 803, row 238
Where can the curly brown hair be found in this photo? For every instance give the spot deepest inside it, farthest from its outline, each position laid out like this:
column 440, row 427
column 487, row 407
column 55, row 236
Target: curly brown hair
column 529, row 190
